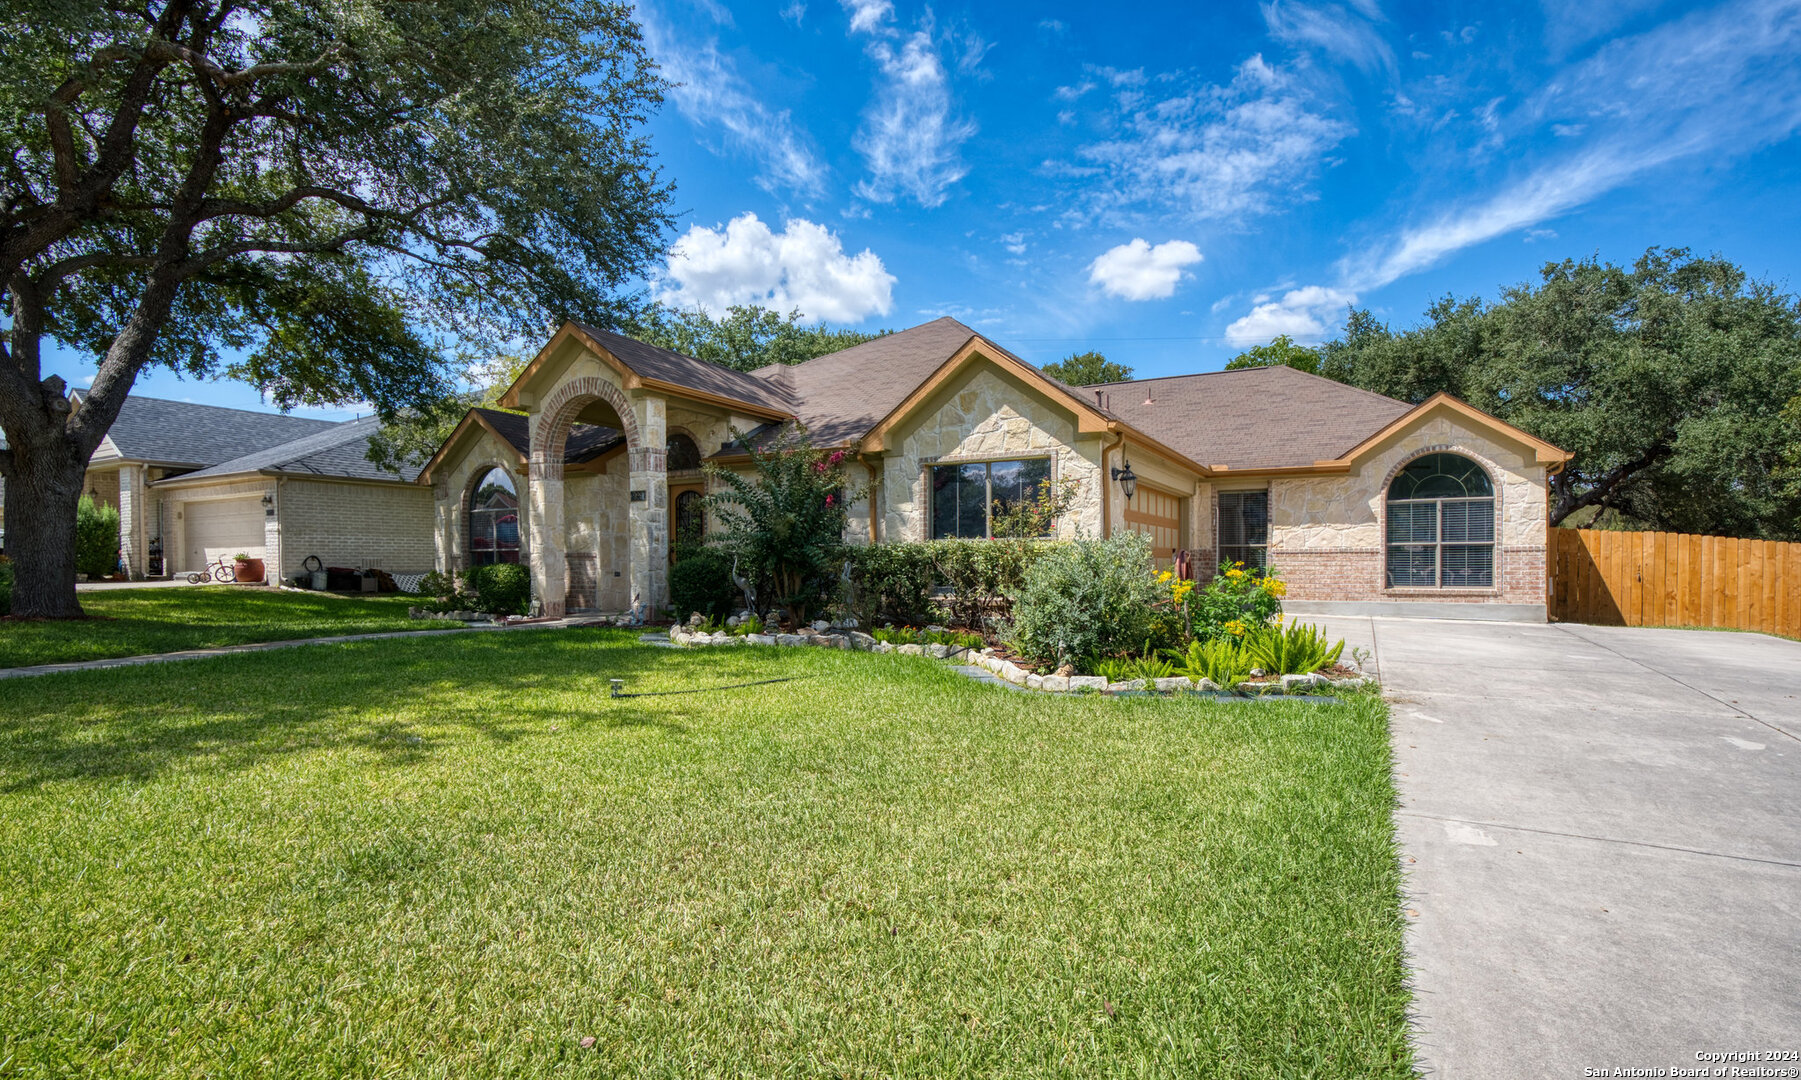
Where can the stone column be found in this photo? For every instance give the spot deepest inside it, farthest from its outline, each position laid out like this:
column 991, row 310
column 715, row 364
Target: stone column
column 544, row 482
column 649, row 502
column 274, row 558
column 133, row 504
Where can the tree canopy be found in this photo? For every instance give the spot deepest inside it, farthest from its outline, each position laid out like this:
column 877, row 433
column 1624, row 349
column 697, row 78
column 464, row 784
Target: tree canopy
column 746, row 337
column 323, row 198
column 1673, row 382
column 1087, row 369
column 1281, row 352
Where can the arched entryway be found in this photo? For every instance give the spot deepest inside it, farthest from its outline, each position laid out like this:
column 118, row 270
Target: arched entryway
column 592, row 400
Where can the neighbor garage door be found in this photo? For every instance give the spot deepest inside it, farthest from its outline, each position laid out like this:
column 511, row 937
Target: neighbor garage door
column 223, row 528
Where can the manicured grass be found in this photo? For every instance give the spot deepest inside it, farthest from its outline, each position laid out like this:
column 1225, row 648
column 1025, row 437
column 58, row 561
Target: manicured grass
column 457, row 856
column 133, row 622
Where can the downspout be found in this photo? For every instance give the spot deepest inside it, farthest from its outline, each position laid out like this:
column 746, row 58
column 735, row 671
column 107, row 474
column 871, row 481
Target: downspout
column 1106, row 480
column 873, row 482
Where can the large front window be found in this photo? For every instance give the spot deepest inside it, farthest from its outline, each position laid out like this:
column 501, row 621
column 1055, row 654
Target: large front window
column 1244, row 527
column 1441, row 525
column 493, row 520
column 964, row 495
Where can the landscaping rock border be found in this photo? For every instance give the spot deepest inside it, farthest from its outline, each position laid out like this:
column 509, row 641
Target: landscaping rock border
column 1006, row 670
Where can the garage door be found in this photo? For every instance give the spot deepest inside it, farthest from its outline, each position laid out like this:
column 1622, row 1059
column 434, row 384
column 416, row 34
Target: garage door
column 1159, row 517
column 219, row 530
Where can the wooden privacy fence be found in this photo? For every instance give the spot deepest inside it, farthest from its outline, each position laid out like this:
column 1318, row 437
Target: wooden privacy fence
column 1674, row 579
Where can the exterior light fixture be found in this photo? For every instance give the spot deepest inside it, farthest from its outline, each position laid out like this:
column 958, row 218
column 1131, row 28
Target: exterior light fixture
column 1128, row 480
column 268, row 500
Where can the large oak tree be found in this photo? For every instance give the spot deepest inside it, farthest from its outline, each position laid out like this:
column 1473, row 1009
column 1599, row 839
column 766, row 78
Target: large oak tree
column 1667, row 380
column 324, row 198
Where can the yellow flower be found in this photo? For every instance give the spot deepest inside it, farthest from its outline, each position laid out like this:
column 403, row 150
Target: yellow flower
column 1274, row 587
column 1165, row 576
column 1234, row 574
column 1234, row 627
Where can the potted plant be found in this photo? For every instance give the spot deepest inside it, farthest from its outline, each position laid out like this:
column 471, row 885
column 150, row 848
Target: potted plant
column 246, row 569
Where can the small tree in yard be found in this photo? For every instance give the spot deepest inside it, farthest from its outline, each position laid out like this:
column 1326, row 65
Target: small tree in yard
column 784, row 522
column 319, row 197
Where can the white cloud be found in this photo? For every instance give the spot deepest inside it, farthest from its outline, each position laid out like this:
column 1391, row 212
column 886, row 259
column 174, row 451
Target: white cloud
column 1711, row 84
column 867, row 16
column 803, row 266
column 1138, row 271
column 1215, row 152
column 1332, row 29
column 1014, row 242
column 795, row 12
column 909, row 139
column 712, row 96
column 1302, row 314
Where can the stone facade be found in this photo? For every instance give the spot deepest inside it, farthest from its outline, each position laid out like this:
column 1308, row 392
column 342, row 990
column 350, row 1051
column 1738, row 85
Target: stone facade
column 1327, row 532
column 988, row 417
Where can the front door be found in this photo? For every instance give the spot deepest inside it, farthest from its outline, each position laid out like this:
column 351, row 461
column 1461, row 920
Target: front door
column 687, row 518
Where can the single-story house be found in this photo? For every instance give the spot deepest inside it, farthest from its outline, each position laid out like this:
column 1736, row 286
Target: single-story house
column 195, row 483
column 1364, row 503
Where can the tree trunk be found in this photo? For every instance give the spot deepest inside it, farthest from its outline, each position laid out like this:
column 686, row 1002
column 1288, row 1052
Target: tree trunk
column 42, row 493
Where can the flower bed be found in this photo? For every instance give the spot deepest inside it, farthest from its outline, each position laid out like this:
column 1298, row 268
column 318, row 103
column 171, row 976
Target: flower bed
column 989, row 659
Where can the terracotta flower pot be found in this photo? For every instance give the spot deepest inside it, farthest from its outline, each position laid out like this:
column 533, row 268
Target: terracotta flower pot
column 248, row 571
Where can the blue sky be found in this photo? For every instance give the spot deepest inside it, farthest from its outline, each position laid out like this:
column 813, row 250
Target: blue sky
column 1172, row 185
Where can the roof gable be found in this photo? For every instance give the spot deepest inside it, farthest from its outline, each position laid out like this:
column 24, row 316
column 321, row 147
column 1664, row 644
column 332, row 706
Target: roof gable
column 648, row 366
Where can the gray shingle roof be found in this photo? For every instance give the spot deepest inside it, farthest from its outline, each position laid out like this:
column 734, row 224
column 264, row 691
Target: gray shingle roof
column 341, row 452
column 1271, row 417
column 654, row 363
column 182, row 433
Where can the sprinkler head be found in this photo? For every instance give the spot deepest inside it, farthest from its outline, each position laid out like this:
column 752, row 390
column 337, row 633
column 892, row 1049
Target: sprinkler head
column 617, row 685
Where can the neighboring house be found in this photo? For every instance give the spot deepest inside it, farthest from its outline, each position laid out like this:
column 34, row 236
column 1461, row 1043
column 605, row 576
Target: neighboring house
column 195, row 483
column 1364, row 503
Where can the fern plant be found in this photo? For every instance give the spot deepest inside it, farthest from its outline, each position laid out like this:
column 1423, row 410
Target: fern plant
column 1299, row 650
column 1117, row 669
column 1152, row 667
column 1220, row 660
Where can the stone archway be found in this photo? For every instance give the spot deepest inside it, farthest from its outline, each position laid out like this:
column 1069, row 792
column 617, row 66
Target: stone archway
column 648, row 546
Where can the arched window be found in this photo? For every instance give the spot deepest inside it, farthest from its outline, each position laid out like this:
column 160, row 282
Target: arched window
column 493, row 519
column 1441, row 525
column 683, row 454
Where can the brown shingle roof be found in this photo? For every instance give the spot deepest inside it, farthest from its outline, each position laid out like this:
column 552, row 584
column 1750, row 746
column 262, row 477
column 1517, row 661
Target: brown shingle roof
column 841, row 395
column 672, row 367
column 1269, row 418
column 585, row 441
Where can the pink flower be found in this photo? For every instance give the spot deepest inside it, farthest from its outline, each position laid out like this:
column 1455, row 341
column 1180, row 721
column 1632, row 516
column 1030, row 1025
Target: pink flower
column 831, row 500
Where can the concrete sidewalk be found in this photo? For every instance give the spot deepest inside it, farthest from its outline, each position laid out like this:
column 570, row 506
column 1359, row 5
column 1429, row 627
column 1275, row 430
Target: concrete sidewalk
column 264, row 646
column 1601, row 829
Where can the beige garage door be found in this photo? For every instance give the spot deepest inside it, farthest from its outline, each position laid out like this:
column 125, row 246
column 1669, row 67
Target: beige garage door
column 1158, row 516
column 219, row 530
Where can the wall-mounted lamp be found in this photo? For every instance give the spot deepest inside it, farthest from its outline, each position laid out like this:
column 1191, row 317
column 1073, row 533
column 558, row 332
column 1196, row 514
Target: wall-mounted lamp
column 1128, row 480
column 268, row 500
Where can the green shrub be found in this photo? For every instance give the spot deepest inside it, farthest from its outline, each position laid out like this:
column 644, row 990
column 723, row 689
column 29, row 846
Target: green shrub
column 785, row 521
column 1221, row 660
column 6, row 586
column 1085, row 600
column 892, row 582
column 1234, row 603
column 701, row 580
column 96, row 538
column 1299, row 650
column 498, row 589
column 750, row 624
column 984, row 575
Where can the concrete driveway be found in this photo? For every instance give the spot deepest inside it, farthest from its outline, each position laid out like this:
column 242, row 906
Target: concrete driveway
column 1601, row 828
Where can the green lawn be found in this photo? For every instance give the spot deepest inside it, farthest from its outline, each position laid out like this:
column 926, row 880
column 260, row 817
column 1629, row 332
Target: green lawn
column 133, row 622
column 456, row 856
